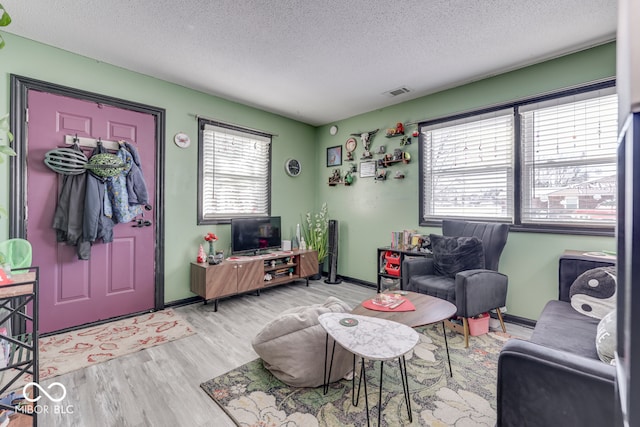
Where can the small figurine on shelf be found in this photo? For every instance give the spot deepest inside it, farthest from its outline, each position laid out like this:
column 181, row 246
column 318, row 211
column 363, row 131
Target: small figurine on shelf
column 201, row 256
column 381, row 175
column 218, row 257
column 335, row 178
column 406, row 140
column 397, row 131
column 348, row 178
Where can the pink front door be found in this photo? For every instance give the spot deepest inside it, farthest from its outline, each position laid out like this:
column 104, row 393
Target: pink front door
column 119, row 277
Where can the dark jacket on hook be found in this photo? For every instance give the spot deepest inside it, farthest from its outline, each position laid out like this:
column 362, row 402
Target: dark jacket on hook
column 69, row 216
column 96, row 224
column 123, row 211
column 136, row 185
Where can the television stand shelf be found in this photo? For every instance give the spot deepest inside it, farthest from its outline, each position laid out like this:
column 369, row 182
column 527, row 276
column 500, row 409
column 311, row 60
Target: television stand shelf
column 241, row 274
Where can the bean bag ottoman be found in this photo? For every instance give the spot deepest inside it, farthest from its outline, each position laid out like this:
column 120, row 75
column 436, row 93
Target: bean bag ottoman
column 292, row 346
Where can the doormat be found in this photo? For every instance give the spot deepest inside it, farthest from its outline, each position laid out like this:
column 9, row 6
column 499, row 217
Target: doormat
column 251, row 395
column 69, row 351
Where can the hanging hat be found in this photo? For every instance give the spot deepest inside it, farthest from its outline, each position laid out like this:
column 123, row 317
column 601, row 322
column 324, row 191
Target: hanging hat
column 66, row 161
column 105, row 165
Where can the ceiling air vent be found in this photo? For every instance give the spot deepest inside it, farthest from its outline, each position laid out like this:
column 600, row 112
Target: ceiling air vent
column 398, row 91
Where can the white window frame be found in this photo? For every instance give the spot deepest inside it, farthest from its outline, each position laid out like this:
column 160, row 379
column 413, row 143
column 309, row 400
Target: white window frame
column 519, row 212
column 234, row 172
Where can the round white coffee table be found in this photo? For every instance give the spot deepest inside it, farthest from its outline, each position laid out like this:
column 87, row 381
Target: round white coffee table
column 370, row 338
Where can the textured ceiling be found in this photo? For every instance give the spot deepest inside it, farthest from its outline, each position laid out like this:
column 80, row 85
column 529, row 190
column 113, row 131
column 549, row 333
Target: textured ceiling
column 317, row 61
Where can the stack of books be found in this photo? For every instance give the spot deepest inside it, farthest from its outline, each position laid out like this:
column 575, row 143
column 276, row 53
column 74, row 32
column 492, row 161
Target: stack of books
column 405, row 239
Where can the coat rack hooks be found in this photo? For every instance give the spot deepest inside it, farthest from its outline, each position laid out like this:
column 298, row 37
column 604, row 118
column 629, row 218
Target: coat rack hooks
column 91, row 142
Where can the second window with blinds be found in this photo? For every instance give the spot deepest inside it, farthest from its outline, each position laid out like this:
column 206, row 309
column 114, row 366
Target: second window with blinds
column 543, row 163
column 234, row 172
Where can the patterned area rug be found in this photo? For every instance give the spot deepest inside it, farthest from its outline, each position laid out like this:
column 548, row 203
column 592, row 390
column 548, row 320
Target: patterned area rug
column 251, row 396
column 69, row 351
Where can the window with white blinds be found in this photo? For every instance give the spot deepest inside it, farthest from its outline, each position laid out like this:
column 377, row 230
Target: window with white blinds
column 467, row 168
column 569, row 159
column 547, row 163
column 235, row 173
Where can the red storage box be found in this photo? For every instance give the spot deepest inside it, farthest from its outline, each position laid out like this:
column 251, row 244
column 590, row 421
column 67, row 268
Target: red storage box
column 479, row 326
column 392, row 257
column 393, row 269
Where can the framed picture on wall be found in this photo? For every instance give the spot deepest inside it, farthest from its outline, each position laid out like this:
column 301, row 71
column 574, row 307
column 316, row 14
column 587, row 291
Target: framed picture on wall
column 368, row 169
column 334, row 156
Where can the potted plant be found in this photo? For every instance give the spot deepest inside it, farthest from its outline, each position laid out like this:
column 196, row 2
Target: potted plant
column 5, row 150
column 315, row 229
column 5, row 20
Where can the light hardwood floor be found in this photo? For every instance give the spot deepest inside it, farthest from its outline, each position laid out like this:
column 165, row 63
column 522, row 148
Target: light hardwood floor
column 161, row 386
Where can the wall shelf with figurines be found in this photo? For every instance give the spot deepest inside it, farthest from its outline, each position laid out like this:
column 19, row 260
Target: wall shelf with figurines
column 396, row 157
column 336, row 177
column 394, row 132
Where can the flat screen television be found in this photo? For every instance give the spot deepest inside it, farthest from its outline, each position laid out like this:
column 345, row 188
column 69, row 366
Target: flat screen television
column 255, row 234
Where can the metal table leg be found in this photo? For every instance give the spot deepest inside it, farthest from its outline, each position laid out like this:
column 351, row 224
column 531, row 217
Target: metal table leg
column 327, row 377
column 402, row 363
column 446, row 344
column 405, row 385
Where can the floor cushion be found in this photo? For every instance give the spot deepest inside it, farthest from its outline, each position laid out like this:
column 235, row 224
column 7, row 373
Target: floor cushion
column 292, row 346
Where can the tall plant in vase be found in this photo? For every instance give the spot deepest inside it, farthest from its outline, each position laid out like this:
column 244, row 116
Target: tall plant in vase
column 315, row 229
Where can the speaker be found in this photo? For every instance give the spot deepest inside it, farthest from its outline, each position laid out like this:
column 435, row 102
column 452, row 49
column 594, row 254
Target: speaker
column 332, row 252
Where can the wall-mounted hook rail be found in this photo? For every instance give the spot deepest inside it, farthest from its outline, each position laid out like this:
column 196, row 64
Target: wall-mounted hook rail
column 91, row 142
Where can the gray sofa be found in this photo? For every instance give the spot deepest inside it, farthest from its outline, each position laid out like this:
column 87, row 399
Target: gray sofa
column 556, row 378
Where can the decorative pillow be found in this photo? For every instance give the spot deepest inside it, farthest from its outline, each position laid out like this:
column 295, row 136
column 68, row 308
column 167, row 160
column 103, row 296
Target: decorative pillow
column 292, row 346
column 593, row 293
column 606, row 338
column 452, row 255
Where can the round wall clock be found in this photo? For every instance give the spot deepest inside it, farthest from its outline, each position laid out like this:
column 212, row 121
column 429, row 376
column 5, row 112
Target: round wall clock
column 292, row 167
column 182, row 140
column 351, row 144
column 333, row 130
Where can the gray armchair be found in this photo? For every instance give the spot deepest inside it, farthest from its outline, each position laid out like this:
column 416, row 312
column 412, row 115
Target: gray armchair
column 473, row 291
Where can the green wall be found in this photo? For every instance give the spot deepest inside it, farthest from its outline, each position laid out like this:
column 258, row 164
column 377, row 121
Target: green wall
column 367, row 211
column 291, row 196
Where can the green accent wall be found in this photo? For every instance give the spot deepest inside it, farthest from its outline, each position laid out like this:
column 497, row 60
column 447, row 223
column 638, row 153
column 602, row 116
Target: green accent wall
column 367, row 211
column 290, row 196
